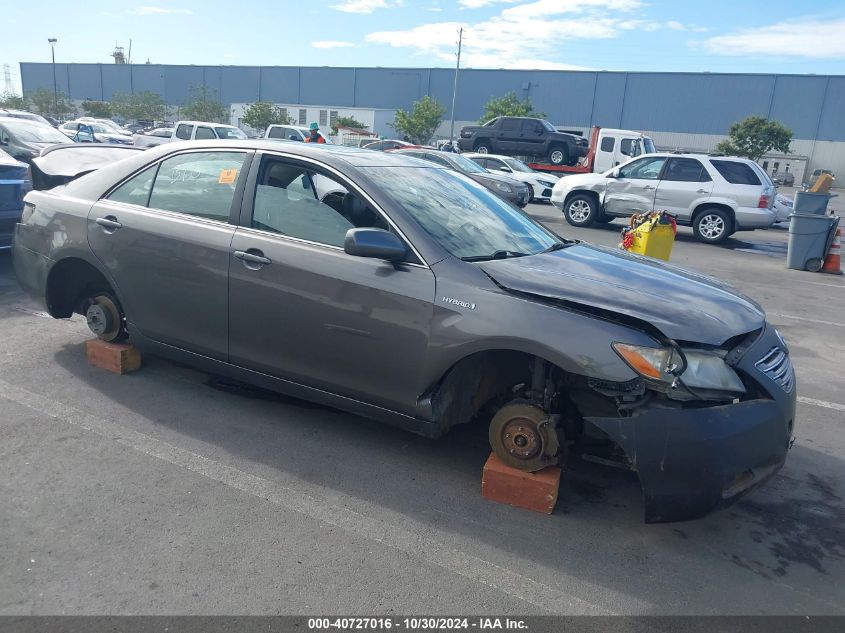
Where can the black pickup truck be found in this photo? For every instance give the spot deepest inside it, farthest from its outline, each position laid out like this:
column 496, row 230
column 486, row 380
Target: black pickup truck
column 522, row 136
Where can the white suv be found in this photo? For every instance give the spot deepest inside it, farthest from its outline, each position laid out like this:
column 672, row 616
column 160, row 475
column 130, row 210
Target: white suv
column 716, row 195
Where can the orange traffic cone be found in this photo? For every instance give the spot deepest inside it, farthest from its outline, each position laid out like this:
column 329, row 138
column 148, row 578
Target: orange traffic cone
column 833, row 263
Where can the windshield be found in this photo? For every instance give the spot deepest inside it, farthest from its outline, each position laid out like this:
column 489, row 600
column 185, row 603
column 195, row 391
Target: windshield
column 518, row 165
column 548, row 126
column 463, row 217
column 649, row 145
column 466, row 165
column 230, row 132
column 32, row 132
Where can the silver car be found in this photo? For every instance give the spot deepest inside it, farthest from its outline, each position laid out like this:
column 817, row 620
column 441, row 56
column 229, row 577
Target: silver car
column 716, row 195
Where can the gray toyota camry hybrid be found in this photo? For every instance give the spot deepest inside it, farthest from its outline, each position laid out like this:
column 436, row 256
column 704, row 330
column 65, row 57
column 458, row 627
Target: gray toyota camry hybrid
column 398, row 290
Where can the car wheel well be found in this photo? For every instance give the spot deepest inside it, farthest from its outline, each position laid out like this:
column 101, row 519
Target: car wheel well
column 477, row 385
column 481, row 141
column 70, row 281
column 711, row 205
column 582, row 192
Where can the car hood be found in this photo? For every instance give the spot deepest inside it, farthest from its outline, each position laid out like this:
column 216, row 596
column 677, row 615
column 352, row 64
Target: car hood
column 580, row 180
column 683, row 305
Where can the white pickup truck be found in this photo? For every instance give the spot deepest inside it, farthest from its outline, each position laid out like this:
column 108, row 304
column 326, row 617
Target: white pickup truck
column 189, row 131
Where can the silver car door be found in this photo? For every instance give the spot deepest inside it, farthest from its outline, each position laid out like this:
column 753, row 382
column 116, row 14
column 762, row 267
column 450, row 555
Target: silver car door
column 685, row 185
column 634, row 189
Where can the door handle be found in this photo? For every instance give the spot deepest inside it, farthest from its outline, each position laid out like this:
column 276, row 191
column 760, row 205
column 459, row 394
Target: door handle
column 253, row 257
column 702, row 191
column 109, row 222
column 647, row 187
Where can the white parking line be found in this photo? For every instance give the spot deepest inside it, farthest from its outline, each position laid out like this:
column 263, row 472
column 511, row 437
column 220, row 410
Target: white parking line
column 422, row 547
column 822, row 403
column 798, row 318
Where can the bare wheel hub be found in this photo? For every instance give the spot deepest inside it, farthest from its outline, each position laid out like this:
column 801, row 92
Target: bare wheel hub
column 524, row 436
column 103, row 317
column 521, row 439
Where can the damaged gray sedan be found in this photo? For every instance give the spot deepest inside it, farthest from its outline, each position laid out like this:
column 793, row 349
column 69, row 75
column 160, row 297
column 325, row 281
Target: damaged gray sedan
column 398, row 290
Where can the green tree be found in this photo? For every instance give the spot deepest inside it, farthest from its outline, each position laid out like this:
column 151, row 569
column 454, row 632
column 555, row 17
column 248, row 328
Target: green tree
column 262, row 114
column 754, row 137
column 203, row 105
column 509, row 105
column 139, row 106
column 13, row 102
column 98, row 109
column 43, row 102
column 347, row 121
column 421, row 122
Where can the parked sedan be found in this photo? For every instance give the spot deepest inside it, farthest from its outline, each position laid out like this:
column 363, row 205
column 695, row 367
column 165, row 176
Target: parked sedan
column 15, row 183
column 717, row 196
column 24, row 140
column 420, row 299
column 93, row 132
column 539, row 184
column 503, row 186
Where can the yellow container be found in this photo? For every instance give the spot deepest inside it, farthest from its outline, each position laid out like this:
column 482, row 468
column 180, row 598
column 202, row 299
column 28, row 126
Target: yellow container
column 653, row 240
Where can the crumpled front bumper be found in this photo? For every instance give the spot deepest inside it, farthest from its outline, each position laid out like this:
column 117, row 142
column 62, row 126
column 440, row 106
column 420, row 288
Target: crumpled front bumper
column 692, row 461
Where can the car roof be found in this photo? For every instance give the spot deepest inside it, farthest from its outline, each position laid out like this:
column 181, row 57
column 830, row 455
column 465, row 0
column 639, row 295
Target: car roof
column 337, row 156
column 499, row 156
column 203, row 123
column 699, row 156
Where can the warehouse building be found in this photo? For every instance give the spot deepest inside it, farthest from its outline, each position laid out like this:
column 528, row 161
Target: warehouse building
column 690, row 111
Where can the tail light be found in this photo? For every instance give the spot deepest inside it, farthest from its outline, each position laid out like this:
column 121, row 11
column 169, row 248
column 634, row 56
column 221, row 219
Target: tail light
column 763, row 202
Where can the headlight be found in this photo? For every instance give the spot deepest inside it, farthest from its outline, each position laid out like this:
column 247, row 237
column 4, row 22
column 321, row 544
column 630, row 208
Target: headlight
column 546, row 184
column 651, row 362
column 503, row 187
column 706, row 370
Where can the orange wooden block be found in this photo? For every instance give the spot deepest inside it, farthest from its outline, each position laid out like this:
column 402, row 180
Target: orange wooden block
column 532, row 491
column 118, row 358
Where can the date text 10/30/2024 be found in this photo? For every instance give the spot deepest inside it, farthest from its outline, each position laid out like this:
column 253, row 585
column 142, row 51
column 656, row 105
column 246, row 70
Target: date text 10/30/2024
column 416, row 624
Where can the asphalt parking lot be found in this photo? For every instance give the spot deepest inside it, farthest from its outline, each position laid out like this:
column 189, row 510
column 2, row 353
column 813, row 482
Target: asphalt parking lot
column 166, row 492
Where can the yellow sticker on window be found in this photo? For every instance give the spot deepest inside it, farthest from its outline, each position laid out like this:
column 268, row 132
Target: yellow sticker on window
column 227, row 176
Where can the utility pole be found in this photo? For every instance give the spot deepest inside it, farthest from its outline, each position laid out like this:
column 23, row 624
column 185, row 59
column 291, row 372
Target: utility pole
column 455, row 88
column 52, row 42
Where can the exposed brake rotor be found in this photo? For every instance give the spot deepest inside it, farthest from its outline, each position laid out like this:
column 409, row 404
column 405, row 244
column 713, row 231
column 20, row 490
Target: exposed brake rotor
column 524, row 436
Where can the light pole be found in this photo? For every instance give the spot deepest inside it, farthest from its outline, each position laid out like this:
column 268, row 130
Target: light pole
column 52, row 41
column 455, row 89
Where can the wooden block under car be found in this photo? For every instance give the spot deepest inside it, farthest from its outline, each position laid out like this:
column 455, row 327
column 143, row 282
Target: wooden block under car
column 118, row 358
column 532, row 491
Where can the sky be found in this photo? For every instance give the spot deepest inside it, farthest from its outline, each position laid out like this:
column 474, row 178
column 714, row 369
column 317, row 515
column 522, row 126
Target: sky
column 760, row 36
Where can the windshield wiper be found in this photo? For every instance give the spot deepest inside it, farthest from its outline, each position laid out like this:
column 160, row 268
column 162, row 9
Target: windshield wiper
column 495, row 255
column 558, row 245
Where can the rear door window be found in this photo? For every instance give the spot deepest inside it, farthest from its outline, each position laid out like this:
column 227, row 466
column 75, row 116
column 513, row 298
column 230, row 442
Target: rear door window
column 184, row 132
column 201, row 184
column 510, row 125
column 204, row 133
column 735, row 172
column 685, row 170
column 136, row 190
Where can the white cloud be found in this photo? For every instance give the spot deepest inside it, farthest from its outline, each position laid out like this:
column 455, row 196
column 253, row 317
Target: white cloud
column 676, row 26
column 525, row 36
column 365, row 6
column 331, row 44
column 799, row 38
column 477, row 4
column 159, row 11
column 435, row 9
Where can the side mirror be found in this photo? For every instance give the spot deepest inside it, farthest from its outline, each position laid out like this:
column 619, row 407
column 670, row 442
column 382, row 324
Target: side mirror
column 376, row 243
column 614, row 173
column 507, row 170
column 4, row 141
column 294, row 137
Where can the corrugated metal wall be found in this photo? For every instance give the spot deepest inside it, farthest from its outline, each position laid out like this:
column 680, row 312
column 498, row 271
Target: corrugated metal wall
column 694, row 103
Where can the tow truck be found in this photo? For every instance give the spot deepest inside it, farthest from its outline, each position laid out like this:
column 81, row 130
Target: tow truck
column 608, row 148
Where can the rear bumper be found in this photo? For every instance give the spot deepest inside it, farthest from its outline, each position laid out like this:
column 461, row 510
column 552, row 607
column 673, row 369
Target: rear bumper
column 693, row 461
column 754, row 218
column 31, row 269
